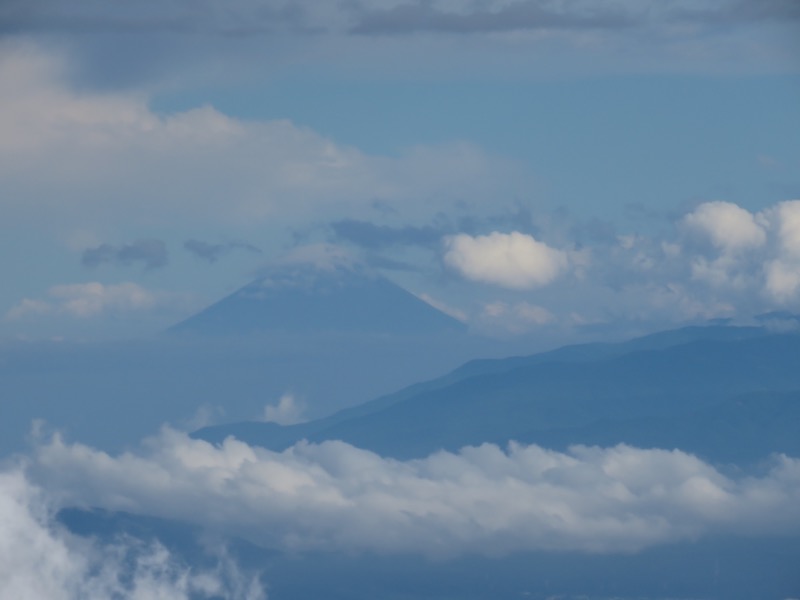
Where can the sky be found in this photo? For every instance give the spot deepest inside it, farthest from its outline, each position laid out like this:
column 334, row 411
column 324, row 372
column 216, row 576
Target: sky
column 544, row 169
column 527, row 166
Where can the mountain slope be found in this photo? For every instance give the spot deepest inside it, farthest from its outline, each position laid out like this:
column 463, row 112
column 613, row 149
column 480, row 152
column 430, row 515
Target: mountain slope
column 609, row 399
column 308, row 299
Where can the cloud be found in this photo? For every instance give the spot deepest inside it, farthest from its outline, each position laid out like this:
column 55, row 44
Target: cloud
column 514, row 318
column 482, row 500
column 729, row 227
column 513, row 260
column 785, row 218
column 288, row 411
column 244, row 19
column 213, row 252
column 497, row 17
column 782, row 271
column 149, row 16
column 40, row 559
column 374, row 237
column 741, row 11
column 454, row 312
column 87, row 300
column 151, row 253
column 575, row 15
column 75, row 158
column 751, row 252
column 150, row 44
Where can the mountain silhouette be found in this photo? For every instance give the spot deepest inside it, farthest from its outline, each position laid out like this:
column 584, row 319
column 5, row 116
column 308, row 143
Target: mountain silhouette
column 309, row 299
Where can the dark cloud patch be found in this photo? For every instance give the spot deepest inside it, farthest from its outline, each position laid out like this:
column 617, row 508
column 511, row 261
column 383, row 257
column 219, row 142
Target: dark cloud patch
column 744, row 11
column 240, row 18
column 151, row 16
column 213, row 252
column 372, row 237
column 151, row 253
column 531, row 14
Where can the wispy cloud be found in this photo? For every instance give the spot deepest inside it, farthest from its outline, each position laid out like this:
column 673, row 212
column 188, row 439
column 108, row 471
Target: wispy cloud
column 93, row 299
column 91, row 159
column 151, row 253
column 375, row 237
column 213, row 252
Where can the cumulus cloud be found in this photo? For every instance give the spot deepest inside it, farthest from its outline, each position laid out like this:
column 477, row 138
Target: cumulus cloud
column 482, row 500
column 39, row 559
column 513, row 260
column 785, row 220
column 86, row 300
column 151, row 253
column 752, row 252
column 729, row 227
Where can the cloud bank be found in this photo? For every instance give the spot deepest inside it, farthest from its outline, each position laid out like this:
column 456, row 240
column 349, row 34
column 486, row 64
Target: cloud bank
column 483, row 500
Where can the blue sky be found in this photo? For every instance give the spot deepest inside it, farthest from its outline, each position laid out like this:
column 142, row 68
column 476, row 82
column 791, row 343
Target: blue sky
column 527, row 165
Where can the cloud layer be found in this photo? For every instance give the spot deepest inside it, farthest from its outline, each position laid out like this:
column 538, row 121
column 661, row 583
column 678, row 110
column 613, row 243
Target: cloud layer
column 481, row 500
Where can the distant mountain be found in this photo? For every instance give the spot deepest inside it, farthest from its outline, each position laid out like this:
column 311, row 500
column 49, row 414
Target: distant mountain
column 681, row 389
column 302, row 298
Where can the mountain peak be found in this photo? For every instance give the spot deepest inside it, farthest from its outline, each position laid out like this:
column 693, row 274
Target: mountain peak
column 311, row 297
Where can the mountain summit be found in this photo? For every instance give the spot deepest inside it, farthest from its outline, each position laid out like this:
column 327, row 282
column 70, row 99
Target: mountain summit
column 307, row 298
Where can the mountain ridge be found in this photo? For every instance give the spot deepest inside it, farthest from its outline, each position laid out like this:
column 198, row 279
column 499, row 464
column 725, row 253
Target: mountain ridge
column 563, row 390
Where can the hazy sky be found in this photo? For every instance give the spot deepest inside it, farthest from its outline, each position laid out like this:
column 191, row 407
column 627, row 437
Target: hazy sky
column 525, row 164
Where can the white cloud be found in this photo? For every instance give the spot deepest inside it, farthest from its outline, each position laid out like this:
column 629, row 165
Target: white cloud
column 482, row 499
column 86, row 300
column 513, row 260
column 787, row 218
column 288, row 411
column 720, row 261
column 40, row 560
column 729, row 227
column 782, row 280
column 782, row 271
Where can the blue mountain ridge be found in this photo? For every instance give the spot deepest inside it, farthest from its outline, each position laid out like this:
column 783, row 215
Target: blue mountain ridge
column 731, row 394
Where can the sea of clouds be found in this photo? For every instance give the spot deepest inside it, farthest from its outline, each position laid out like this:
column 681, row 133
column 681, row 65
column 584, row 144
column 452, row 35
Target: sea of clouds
column 484, row 500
